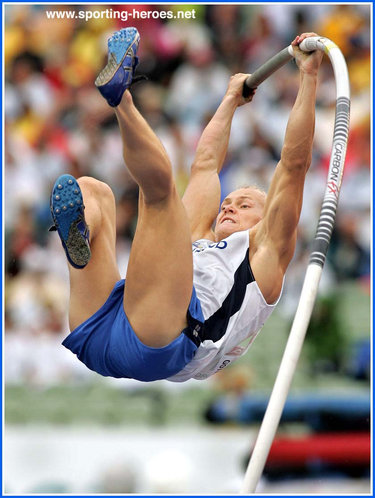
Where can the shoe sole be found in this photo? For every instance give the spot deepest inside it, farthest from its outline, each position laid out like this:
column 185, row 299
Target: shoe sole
column 111, row 68
column 66, row 208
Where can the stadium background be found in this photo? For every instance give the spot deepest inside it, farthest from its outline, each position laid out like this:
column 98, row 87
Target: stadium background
column 67, row 429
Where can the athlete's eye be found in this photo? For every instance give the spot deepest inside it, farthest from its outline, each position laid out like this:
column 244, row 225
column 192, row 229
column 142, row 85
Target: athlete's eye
column 245, row 206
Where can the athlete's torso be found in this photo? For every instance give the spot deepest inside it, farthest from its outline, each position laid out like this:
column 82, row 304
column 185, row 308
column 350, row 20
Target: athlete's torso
column 233, row 306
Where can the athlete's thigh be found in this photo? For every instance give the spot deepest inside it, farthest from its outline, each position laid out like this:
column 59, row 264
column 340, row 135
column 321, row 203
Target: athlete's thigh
column 159, row 278
column 91, row 286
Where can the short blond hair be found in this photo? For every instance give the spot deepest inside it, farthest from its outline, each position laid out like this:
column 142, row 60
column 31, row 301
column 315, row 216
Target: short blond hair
column 254, row 186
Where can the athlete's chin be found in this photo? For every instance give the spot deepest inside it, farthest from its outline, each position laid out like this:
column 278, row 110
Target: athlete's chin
column 222, row 232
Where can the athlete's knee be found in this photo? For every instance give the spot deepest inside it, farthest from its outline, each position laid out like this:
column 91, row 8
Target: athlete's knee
column 100, row 207
column 97, row 189
column 161, row 191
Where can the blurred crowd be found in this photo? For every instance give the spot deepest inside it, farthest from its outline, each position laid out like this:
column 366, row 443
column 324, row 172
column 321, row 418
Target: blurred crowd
column 56, row 122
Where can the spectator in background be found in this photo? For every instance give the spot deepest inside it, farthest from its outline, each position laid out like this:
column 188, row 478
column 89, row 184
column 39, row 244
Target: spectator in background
column 350, row 260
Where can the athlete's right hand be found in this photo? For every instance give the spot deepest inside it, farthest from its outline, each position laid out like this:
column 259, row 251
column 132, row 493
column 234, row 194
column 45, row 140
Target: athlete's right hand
column 308, row 62
column 235, row 89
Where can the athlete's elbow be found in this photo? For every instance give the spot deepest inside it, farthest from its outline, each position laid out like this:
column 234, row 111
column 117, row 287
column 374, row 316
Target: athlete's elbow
column 294, row 160
column 295, row 164
column 206, row 162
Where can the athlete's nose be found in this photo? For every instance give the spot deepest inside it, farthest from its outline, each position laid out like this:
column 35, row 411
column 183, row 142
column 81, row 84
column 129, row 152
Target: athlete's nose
column 229, row 208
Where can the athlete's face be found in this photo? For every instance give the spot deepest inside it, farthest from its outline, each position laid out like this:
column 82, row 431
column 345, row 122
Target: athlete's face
column 242, row 209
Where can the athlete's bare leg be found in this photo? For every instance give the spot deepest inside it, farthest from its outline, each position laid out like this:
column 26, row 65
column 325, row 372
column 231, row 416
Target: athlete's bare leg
column 91, row 286
column 159, row 278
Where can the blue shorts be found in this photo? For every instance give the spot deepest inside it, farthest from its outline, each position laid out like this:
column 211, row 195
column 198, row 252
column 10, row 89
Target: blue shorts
column 107, row 344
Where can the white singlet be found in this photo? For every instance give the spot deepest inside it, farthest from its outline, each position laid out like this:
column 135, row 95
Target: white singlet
column 233, row 306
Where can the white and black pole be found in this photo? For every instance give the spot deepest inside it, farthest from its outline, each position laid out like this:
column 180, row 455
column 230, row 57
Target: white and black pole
column 319, row 250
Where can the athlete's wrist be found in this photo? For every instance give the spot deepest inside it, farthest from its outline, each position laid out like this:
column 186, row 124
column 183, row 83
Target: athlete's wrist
column 309, row 76
column 231, row 100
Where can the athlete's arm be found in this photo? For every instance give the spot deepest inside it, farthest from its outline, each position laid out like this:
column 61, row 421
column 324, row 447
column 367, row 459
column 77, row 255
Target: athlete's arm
column 202, row 195
column 273, row 240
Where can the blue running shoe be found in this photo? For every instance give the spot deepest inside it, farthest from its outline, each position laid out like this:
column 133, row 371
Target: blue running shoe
column 69, row 220
column 118, row 74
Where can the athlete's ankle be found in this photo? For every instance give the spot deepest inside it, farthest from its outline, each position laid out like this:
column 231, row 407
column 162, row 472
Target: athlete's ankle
column 125, row 110
column 126, row 100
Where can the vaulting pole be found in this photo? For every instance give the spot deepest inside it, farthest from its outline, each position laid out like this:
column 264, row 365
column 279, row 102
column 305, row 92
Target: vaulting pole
column 319, row 250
